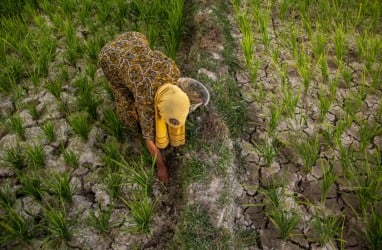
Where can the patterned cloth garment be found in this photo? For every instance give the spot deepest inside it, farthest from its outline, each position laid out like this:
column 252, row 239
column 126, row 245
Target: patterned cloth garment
column 135, row 73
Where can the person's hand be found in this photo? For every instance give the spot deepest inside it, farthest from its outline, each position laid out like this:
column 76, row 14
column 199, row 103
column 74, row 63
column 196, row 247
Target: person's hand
column 162, row 174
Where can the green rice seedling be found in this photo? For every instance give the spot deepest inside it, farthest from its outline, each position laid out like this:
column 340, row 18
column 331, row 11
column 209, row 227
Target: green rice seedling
column 32, row 108
column 303, row 67
column 367, row 132
column 368, row 190
column 48, row 129
column 101, row 221
column 114, row 184
column 91, row 70
column 175, row 27
column 328, row 179
column 112, row 124
column 14, row 156
column 373, row 229
column 346, row 158
column 15, row 228
column 7, row 85
column 267, row 151
column 92, row 48
column 273, row 196
column 73, row 47
column 326, row 228
column 15, row 68
column 63, row 75
column 308, row 150
column 55, row 88
column 32, row 185
column 85, row 97
column 60, row 186
column 142, row 211
column 284, row 7
column 7, row 197
column 339, row 42
column 290, row 102
column 135, row 173
column 319, row 44
column 324, row 67
column 284, row 222
column 248, row 40
column 346, row 73
column 103, row 11
column 262, row 18
column 71, row 159
column 123, row 12
column 68, row 7
column 236, row 5
column 35, row 156
column 111, row 154
column 325, row 102
column 15, row 124
column 81, row 124
column 274, row 119
column 57, row 225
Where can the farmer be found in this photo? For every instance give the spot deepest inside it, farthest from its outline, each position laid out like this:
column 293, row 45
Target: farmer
column 142, row 81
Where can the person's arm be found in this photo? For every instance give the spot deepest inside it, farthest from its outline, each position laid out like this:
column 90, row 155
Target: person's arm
column 161, row 166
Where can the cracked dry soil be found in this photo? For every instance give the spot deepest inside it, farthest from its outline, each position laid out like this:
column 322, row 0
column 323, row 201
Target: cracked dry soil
column 244, row 173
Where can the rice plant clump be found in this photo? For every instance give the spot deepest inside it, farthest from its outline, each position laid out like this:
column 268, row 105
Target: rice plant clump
column 32, row 185
column 285, row 222
column 57, row 225
column 100, row 220
column 71, row 159
column 142, row 211
column 15, row 124
column 81, row 124
column 35, row 156
column 15, row 228
column 14, row 156
column 60, row 186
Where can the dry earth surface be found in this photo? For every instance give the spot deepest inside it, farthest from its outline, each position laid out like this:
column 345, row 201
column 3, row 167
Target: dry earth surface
column 233, row 172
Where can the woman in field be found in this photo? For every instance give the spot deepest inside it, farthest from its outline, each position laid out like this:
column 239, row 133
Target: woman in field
column 143, row 83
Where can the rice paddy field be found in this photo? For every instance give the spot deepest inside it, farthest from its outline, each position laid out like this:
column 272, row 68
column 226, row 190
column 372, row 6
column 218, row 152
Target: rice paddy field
column 287, row 155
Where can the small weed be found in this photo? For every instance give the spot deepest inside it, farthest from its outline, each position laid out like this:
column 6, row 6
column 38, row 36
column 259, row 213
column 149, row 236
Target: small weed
column 284, row 222
column 81, row 124
column 60, row 186
column 15, row 124
column 35, row 156
column 14, row 156
column 48, row 129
